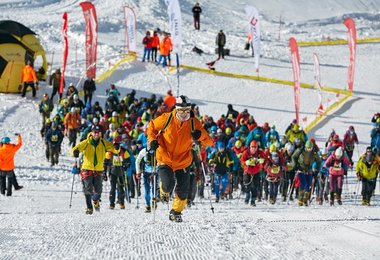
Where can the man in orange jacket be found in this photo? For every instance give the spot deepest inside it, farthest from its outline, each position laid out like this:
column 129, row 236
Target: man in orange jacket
column 171, row 136
column 165, row 47
column 28, row 79
column 7, row 165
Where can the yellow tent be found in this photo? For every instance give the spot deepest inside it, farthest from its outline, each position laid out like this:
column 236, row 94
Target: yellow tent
column 17, row 45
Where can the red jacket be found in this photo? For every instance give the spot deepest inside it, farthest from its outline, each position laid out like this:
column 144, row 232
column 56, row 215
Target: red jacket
column 155, row 41
column 7, row 155
column 256, row 165
column 147, row 41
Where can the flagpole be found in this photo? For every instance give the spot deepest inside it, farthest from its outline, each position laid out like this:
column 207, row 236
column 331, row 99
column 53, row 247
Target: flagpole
column 177, row 58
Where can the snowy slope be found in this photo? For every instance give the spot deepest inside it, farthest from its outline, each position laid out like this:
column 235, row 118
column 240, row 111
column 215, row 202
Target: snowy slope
column 37, row 222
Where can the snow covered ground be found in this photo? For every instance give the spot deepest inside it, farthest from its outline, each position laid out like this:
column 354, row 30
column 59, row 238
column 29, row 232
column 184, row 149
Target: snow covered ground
column 37, row 222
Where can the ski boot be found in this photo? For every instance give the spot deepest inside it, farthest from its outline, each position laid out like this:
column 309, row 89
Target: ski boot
column 339, row 197
column 175, row 216
column 112, row 206
column 148, row 209
column 331, row 198
column 253, row 204
column 154, row 203
column 164, row 197
column 96, row 205
column 306, row 199
column 300, row 198
column 89, row 211
column 217, row 200
column 122, row 206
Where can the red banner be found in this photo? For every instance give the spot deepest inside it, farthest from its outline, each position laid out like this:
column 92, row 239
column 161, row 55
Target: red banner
column 350, row 24
column 65, row 53
column 296, row 74
column 89, row 13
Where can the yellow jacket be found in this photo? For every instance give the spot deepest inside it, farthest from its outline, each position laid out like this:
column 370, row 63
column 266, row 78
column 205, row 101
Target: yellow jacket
column 93, row 156
column 362, row 169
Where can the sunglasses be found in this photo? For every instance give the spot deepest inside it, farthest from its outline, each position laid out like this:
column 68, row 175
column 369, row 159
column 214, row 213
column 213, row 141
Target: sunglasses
column 183, row 111
column 253, row 146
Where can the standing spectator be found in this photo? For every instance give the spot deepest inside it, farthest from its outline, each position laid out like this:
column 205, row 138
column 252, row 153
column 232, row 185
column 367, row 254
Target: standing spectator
column 29, row 79
column 7, row 164
column 89, row 88
column 220, row 42
column 155, row 46
column 55, row 81
column 165, row 47
column 71, row 91
column 147, row 41
column 197, row 10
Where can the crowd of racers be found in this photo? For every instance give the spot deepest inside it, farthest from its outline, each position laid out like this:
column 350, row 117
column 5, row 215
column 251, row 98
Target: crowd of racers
column 254, row 160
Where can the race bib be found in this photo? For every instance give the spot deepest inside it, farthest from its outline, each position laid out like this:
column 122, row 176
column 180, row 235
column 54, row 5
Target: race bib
column 275, row 169
column 54, row 138
column 117, row 161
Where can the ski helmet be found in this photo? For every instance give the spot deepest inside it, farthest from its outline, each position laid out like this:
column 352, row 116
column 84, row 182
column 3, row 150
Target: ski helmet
column 253, row 144
column 183, row 102
column 289, row 147
column 114, row 113
column 221, row 145
column 338, row 152
column 309, row 144
column 5, row 140
column 275, row 157
column 238, row 144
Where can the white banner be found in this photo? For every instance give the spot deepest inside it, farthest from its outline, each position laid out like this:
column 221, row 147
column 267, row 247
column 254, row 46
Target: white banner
column 317, row 84
column 254, row 29
column 130, row 29
column 175, row 24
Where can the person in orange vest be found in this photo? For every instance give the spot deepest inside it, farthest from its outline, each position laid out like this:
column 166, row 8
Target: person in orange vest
column 72, row 121
column 165, row 48
column 155, row 46
column 169, row 100
column 29, row 79
column 7, row 164
column 171, row 137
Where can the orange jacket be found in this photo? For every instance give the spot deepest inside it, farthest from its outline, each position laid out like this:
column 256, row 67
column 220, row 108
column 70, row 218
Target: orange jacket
column 28, row 74
column 72, row 120
column 155, row 41
column 7, row 155
column 165, row 46
column 169, row 101
column 175, row 142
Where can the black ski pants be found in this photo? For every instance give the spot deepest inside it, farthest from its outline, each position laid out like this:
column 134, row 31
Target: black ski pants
column 7, row 180
column 179, row 178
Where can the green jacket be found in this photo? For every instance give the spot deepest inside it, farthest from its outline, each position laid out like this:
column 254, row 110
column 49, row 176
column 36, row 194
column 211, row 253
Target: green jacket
column 94, row 155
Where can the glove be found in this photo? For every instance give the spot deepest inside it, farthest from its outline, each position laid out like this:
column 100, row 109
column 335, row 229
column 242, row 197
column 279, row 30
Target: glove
column 138, row 176
column 105, row 178
column 196, row 134
column 154, row 145
column 261, row 160
column 76, row 153
column 117, row 146
column 17, row 134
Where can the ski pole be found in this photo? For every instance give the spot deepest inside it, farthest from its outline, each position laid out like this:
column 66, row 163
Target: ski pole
column 154, row 186
column 136, row 183
column 204, row 175
column 74, row 170
column 126, row 187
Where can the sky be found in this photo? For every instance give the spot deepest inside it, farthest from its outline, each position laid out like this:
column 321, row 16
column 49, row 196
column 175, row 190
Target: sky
column 37, row 222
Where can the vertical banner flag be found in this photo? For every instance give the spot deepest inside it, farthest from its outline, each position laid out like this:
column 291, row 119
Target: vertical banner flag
column 89, row 13
column 130, row 30
column 65, row 52
column 350, row 24
column 317, row 84
column 296, row 74
column 175, row 25
column 254, row 29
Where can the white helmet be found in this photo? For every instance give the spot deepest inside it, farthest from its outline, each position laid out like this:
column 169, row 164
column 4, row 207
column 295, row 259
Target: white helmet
column 72, row 110
column 182, row 102
column 338, row 152
column 76, row 97
column 114, row 113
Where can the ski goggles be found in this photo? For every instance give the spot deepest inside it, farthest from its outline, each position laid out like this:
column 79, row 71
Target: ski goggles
column 183, row 110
